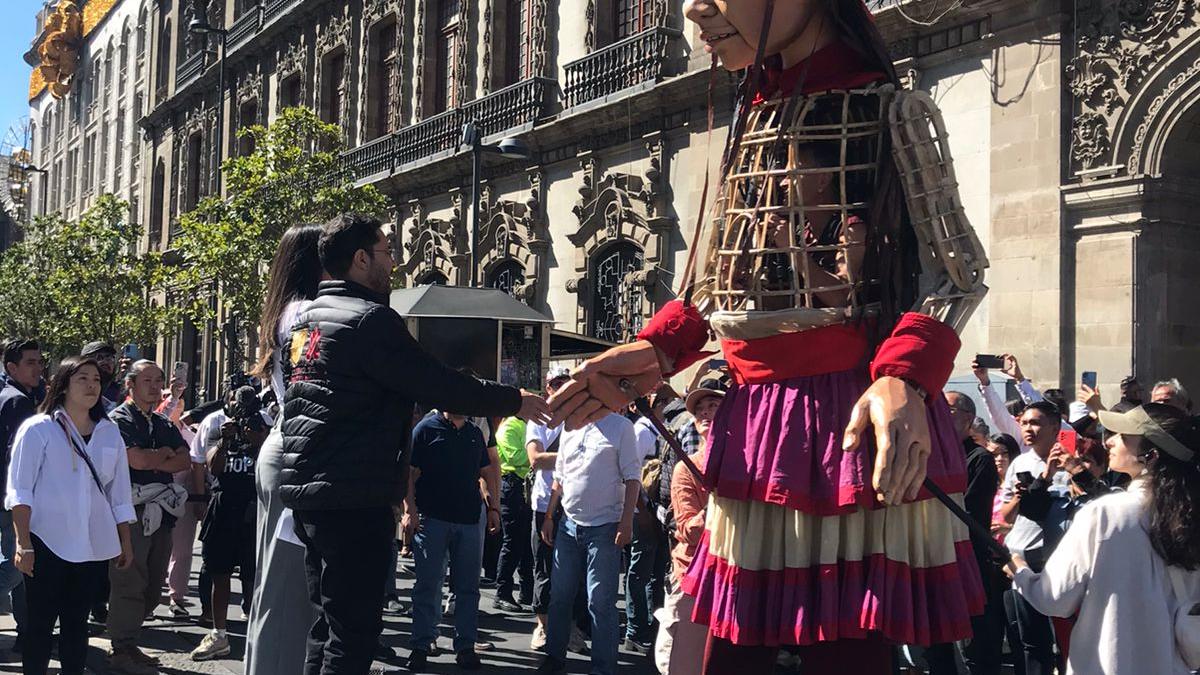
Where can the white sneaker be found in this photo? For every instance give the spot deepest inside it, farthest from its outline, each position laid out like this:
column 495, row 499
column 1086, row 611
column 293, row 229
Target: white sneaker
column 212, row 646
column 538, row 641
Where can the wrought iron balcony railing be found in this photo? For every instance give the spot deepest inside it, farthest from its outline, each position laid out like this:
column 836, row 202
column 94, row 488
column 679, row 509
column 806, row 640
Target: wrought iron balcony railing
column 512, row 106
column 189, row 70
column 370, row 158
column 635, row 60
column 244, row 28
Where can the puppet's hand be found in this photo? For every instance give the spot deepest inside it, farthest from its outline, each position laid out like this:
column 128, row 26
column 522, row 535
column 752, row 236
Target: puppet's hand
column 596, row 387
column 898, row 414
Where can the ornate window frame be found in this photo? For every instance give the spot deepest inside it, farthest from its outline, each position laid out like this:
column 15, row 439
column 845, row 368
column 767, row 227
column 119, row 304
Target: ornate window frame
column 434, row 245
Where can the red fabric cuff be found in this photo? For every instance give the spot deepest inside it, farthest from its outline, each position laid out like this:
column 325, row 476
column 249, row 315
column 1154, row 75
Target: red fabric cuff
column 678, row 331
column 920, row 349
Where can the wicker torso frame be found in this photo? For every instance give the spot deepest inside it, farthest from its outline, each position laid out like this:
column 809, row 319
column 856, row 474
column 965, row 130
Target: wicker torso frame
column 786, row 248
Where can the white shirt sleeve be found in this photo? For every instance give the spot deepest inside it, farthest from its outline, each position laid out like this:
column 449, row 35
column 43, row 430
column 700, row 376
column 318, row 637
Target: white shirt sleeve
column 1058, row 590
column 1002, row 422
column 629, row 456
column 118, row 490
column 25, row 464
column 647, row 440
column 558, row 464
column 1007, row 486
column 197, row 448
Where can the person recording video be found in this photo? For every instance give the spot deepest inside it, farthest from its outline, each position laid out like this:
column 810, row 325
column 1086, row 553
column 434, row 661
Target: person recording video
column 228, row 529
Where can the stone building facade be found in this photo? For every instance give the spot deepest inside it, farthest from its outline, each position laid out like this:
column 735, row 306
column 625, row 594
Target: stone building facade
column 1072, row 127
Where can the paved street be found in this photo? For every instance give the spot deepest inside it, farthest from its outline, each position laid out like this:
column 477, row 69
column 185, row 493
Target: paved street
column 172, row 640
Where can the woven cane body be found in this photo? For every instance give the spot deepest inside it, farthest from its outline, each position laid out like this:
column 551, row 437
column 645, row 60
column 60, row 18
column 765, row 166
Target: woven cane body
column 787, row 245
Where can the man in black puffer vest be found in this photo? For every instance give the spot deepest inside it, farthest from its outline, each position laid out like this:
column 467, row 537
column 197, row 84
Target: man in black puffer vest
column 354, row 373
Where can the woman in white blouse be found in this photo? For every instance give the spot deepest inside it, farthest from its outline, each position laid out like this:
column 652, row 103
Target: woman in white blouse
column 68, row 490
column 1118, row 566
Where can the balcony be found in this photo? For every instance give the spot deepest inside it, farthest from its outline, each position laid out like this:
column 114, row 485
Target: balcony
column 636, row 60
column 273, row 8
column 514, row 106
column 244, row 28
column 189, row 70
column 511, row 108
column 370, row 158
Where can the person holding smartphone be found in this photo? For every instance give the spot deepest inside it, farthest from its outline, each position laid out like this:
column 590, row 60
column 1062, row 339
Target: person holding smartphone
column 1036, row 494
column 69, row 493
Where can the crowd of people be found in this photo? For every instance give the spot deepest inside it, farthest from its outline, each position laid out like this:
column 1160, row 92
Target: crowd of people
column 358, row 447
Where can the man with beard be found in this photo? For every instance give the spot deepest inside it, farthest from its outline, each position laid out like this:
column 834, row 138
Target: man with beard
column 106, row 357
column 354, row 373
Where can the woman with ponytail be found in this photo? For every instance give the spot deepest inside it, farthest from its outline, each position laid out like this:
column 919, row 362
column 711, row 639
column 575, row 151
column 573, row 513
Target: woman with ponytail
column 280, row 614
column 1130, row 560
column 836, row 192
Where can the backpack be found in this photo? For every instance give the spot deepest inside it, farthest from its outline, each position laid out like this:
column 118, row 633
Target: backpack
column 651, row 475
column 1187, row 620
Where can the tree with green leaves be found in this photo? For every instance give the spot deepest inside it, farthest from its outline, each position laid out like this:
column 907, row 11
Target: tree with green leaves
column 67, row 283
column 293, row 175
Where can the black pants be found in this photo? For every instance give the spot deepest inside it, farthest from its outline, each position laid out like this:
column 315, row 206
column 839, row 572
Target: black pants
column 1036, row 635
column 345, row 562
column 516, row 553
column 58, row 591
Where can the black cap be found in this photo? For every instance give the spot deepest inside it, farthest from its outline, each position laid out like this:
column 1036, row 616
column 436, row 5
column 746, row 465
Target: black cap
column 96, row 348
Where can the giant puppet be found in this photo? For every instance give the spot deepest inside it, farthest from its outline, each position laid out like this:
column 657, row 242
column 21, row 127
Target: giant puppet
column 835, row 269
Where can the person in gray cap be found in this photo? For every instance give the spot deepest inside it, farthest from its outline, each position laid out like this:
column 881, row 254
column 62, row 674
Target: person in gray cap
column 106, row 357
column 1129, row 566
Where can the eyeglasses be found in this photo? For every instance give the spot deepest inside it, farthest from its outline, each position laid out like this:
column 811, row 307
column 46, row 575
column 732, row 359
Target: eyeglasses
column 382, row 251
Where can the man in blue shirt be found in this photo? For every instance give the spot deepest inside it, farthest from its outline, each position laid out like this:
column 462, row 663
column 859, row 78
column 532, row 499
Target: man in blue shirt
column 442, row 518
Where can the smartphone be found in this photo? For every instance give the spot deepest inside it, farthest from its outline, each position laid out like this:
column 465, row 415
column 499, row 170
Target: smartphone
column 1024, row 478
column 1069, row 440
column 1088, row 379
column 181, row 372
column 990, row 361
column 130, row 352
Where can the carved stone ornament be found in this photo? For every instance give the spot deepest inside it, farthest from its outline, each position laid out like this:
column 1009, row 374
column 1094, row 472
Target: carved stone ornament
column 250, row 85
column 431, row 246
column 504, row 237
column 375, row 11
column 462, row 54
column 419, row 75
column 291, row 60
column 487, row 46
column 1119, row 43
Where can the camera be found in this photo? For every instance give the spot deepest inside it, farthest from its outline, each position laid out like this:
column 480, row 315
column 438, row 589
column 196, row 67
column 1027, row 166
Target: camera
column 244, row 409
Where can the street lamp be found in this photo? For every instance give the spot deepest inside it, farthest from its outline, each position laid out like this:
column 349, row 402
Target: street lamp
column 511, row 148
column 200, row 26
column 45, row 183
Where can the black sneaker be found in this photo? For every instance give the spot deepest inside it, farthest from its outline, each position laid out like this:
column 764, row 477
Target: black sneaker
column 468, row 660
column 552, row 666
column 507, row 605
column 418, row 661
column 634, row 647
column 100, row 612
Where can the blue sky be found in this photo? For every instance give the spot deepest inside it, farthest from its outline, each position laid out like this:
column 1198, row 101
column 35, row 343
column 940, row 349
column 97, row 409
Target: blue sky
column 16, row 33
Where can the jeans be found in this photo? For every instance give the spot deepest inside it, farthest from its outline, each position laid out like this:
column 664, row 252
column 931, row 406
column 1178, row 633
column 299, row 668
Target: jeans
column 345, row 563
column 59, row 591
column 1037, row 635
column 643, row 579
column 11, row 579
column 436, row 543
column 516, row 555
column 581, row 550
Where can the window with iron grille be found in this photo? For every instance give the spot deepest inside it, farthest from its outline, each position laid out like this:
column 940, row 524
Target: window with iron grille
column 333, row 83
column 508, row 276
column 631, row 17
column 518, row 46
column 616, row 303
column 382, row 80
column 445, row 53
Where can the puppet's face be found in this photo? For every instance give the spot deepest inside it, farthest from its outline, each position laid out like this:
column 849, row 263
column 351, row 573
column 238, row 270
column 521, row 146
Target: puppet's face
column 731, row 28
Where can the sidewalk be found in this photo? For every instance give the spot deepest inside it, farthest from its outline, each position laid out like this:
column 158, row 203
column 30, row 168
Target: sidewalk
column 173, row 640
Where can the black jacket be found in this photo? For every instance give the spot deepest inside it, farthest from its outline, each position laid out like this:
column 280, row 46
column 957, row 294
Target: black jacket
column 354, row 372
column 16, row 406
column 982, row 481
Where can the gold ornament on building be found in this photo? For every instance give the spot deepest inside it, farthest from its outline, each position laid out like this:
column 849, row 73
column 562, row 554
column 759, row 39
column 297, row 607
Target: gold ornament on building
column 59, row 49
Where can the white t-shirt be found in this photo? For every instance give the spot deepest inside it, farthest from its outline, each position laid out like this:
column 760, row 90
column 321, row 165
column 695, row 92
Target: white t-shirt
column 283, row 333
column 1027, row 534
column 647, row 438
column 543, row 481
column 593, row 464
column 69, row 514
